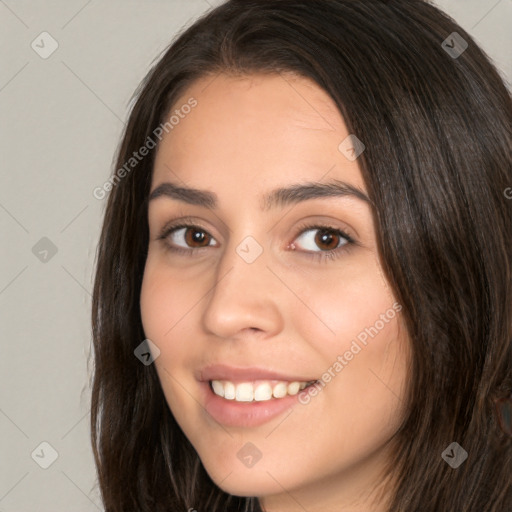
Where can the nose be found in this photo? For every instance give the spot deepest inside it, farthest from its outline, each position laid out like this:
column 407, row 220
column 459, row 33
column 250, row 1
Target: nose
column 246, row 295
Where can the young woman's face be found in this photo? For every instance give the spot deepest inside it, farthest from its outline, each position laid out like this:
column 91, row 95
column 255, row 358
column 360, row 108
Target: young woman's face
column 263, row 296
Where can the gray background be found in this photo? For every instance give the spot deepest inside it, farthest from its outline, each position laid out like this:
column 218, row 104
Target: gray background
column 61, row 121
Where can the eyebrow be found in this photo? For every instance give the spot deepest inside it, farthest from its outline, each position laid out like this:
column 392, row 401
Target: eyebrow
column 279, row 197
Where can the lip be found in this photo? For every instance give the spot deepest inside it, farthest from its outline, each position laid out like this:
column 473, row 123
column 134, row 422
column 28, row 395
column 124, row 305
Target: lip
column 231, row 413
column 245, row 374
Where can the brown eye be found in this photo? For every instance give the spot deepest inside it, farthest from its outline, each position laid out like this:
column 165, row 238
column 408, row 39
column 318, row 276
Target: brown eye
column 193, row 235
column 326, row 238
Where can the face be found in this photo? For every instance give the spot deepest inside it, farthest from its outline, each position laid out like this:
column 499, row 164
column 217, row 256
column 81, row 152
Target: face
column 257, row 294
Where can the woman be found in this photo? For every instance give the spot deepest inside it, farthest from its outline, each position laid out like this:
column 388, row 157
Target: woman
column 303, row 295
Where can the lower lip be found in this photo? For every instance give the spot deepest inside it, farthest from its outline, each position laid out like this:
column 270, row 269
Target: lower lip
column 244, row 414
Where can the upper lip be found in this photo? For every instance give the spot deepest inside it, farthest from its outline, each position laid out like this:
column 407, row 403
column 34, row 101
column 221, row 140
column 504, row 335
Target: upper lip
column 248, row 373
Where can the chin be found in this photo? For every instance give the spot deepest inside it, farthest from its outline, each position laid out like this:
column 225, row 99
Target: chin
column 247, row 482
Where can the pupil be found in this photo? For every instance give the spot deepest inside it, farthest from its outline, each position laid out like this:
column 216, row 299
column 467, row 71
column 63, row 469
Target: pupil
column 196, row 235
column 325, row 235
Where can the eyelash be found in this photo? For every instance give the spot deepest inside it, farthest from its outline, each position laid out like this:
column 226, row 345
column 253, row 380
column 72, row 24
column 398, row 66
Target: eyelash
column 321, row 256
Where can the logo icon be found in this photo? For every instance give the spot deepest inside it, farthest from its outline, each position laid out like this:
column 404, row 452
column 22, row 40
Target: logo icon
column 45, row 455
column 249, row 455
column 351, row 147
column 249, row 249
column 44, row 45
column 454, row 45
column 44, row 249
column 454, row 455
column 147, row 352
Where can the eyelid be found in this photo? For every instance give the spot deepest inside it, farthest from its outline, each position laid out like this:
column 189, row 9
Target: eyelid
column 328, row 223
column 315, row 226
column 318, row 223
column 185, row 221
column 322, row 256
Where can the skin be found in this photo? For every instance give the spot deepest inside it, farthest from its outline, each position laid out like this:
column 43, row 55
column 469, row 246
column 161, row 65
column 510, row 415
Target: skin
column 286, row 311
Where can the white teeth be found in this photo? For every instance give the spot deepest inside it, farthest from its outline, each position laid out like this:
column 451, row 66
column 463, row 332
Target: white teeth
column 258, row 391
column 218, row 388
column 229, row 390
column 263, row 392
column 244, row 392
column 293, row 388
column 280, row 390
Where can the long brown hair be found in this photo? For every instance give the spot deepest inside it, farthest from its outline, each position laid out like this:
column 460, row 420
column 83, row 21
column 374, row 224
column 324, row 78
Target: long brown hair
column 437, row 126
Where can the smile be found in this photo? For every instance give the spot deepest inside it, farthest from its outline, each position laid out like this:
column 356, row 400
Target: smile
column 257, row 391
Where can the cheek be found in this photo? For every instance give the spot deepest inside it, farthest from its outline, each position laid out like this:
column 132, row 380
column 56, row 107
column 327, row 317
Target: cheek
column 344, row 305
column 164, row 305
column 357, row 330
column 164, row 302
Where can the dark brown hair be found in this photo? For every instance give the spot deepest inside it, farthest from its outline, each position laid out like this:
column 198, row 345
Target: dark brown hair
column 438, row 134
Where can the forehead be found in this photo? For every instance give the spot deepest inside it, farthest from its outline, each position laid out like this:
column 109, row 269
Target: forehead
column 297, row 96
column 255, row 129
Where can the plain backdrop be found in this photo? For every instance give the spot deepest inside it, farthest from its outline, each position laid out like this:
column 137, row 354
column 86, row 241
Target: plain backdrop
column 61, row 119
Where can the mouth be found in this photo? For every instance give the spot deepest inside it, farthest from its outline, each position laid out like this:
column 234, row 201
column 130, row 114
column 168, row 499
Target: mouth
column 257, row 390
column 248, row 397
